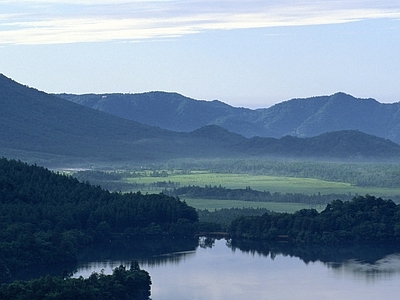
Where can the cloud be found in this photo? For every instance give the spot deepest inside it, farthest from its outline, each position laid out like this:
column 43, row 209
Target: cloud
column 59, row 21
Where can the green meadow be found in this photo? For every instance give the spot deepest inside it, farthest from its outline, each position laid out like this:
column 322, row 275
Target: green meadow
column 281, row 184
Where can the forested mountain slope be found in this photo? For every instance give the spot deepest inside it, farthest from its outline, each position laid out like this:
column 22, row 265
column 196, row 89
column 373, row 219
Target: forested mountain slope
column 297, row 117
column 317, row 115
column 337, row 144
column 34, row 123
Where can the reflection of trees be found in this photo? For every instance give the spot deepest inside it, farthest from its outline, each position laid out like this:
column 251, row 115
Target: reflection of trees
column 206, row 242
column 383, row 268
column 366, row 260
column 150, row 251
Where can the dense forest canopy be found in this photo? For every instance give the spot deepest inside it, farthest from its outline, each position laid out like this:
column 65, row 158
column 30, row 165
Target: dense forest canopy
column 47, row 217
column 364, row 219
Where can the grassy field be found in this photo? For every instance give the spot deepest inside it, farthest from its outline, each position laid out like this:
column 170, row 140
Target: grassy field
column 307, row 186
column 211, row 205
column 154, row 180
column 272, row 184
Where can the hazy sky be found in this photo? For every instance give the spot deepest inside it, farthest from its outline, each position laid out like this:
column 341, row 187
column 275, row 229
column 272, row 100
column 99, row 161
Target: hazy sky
column 245, row 53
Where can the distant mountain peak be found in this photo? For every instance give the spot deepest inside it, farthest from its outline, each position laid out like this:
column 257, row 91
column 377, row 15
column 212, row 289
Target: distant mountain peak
column 341, row 94
column 218, row 133
column 210, row 129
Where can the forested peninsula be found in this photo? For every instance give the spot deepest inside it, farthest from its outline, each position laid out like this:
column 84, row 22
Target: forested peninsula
column 364, row 219
column 46, row 218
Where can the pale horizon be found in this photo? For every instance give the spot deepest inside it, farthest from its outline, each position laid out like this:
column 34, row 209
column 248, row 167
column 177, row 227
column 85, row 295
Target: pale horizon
column 244, row 53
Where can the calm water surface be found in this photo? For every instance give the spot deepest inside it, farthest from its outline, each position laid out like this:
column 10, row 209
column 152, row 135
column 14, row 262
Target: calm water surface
column 217, row 269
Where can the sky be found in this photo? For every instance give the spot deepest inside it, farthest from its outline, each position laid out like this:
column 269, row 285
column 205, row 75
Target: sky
column 245, row 53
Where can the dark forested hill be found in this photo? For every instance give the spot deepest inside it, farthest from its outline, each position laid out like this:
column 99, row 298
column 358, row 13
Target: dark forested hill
column 337, row 144
column 298, row 117
column 36, row 124
column 42, row 128
column 47, row 217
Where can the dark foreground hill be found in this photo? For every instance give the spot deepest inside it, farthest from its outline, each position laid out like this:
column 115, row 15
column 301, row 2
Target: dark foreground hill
column 46, row 129
column 298, row 117
column 47, row 218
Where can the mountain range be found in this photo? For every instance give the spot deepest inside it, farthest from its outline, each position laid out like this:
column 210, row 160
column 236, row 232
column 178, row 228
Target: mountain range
column 297, row 117
column 46, row 129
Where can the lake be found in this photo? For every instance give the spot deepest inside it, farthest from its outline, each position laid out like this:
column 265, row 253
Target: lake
column 225, row 269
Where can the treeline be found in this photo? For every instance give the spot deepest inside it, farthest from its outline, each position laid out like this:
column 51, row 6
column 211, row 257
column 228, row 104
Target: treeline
column 359, row 174
column 219, row 220
column 248, row 194
column 364, row 219
column 95, row 176
column 123, row 284
column 46, row 217
column 114, row 181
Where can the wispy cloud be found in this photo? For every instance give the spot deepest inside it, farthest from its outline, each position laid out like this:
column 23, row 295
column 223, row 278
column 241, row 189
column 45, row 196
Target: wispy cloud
column 60, row 21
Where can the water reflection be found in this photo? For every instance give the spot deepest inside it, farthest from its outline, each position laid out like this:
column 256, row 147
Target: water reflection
column 371, row 262
column 382, row 269
column 206, row 242
column 140, row 248
column 149, row 252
